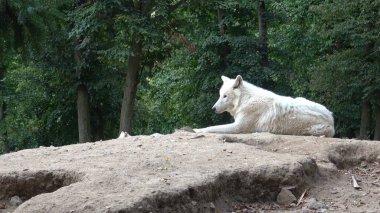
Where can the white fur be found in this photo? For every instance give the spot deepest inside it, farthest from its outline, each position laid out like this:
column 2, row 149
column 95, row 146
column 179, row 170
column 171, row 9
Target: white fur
column 258, row 110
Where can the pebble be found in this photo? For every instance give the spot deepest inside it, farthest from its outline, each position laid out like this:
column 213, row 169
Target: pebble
column 312, row 203
column 285, row 197
column 363, row 164
column 15, row 201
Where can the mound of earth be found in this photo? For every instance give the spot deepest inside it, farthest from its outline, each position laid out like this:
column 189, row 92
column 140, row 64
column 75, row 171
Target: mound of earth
column 188, row 172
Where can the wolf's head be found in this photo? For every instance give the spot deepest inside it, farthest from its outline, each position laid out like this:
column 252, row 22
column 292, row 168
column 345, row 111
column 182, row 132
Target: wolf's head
column 229, row 95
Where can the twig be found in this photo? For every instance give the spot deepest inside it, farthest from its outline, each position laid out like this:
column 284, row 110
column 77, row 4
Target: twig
column 300, row 199
column 197, row 136
column 355, row 183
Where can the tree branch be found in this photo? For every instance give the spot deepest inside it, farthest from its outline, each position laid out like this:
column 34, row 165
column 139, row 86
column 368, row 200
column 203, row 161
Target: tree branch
column 186, row 42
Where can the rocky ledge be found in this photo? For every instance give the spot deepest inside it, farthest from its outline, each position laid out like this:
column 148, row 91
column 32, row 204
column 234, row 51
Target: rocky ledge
column 180, row 172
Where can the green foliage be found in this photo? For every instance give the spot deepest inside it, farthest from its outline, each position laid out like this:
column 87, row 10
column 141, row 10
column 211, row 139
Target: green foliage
column 347, row 70
column 25, row 23
column 37, row 111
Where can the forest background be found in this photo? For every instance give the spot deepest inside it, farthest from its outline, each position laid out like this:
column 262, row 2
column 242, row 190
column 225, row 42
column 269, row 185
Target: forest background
column 81, row 71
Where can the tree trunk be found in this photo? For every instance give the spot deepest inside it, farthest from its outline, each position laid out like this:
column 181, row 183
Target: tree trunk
column 134, row 62
column 377, row 127
column 84, row 126
column 365, row 121
column 83, row 103
column 130, row 89
column 98, row 125
column 263, row 35
column 3, row 133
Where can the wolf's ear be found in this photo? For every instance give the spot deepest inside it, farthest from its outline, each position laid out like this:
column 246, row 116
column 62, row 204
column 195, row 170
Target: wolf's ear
column 225, row 79
column 238, row 81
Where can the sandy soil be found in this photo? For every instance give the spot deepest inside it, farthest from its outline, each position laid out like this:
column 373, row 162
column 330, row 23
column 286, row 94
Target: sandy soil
column 187, row 172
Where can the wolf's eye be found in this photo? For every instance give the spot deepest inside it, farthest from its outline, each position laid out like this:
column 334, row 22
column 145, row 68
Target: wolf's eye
column 224, row 96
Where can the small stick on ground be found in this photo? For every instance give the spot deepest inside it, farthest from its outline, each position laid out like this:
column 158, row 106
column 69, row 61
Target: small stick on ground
column 355, row 183
column 198, row 136
column 300, row 199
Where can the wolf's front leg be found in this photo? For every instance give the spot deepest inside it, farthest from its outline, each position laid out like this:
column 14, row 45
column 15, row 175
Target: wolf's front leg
column 232, row 128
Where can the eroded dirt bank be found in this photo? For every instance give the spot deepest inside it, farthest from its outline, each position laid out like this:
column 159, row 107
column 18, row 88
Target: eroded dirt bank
column 187, row 172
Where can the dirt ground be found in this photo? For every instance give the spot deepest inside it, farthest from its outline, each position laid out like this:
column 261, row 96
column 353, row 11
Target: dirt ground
column 334, row 189
column 338, row 160
column 188, row 172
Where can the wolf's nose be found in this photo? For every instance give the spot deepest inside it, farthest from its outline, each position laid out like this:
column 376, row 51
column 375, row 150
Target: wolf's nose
column 213, row 109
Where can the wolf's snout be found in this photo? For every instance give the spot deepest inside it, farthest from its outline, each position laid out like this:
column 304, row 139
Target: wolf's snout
column 213, row 109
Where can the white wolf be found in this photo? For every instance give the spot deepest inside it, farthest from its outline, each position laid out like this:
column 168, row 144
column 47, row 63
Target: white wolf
column 258, row 110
